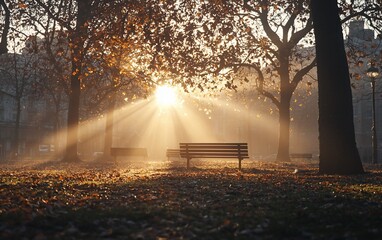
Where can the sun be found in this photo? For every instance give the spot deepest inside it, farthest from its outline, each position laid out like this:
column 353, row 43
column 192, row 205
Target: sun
column 166, row 95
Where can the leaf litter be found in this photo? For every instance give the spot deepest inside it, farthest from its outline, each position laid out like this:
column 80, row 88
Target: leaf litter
column 212, row 200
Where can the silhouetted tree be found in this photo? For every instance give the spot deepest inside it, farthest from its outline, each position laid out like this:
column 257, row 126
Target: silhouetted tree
column 17, row 79
column 78, row 36
column 212, row 43
column 87, row 24
column 5, row 28
column 338, row 150
column 93, row 28
column 217, row 45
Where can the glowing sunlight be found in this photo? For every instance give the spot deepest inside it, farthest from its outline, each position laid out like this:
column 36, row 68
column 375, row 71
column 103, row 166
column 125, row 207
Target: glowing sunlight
column 166, row 95
column 169, row 117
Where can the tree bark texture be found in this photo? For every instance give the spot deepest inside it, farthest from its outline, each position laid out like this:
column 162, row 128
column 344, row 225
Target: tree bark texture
column 109, row 126
column 77, row 52
column 284, row 122
column 338, row 150
column 284, row 106
column 16, row 140
column 4, row 34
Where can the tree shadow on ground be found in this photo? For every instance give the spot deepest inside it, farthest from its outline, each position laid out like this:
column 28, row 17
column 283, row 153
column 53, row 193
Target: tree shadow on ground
column 264, row 201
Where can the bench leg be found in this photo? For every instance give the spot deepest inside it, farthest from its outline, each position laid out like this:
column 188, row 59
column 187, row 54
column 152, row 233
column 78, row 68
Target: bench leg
column 240, row 164
column 188, row 163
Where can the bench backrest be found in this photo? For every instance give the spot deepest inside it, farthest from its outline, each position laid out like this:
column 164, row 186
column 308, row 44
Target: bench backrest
column 172, row 152
column 213, row 150
column 301, row 155
column 128, row 152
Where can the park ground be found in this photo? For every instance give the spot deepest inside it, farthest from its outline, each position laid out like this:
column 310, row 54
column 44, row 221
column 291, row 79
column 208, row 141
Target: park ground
column 164, row 200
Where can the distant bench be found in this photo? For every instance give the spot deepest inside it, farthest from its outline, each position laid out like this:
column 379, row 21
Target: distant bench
column 214, row 150
column 172, row 153
column 129, row 152
column 301, row 155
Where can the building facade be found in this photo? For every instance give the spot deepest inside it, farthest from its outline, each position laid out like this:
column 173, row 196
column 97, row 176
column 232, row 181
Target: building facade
column 26, row 120
column 364, row 50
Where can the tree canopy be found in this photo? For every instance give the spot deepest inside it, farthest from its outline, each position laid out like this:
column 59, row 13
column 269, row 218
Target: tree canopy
column 215, row 45
column 120, row 46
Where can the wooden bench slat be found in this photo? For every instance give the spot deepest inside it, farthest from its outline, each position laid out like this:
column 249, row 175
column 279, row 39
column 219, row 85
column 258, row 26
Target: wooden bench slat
column 214, row 150
column 214, row 156
column 119, row 151
column 211, row 155
column 211, row 149
column 172, row 153
column 213, row 146
column 301, row 155
column 184, row 154
column 172, row 150
column 218, row 150
column 203, row 143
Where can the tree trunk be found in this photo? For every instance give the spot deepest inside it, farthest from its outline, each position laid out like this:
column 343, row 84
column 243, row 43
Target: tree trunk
column 56, row 138
column 338, row 150
column 71, row 154
column 109, row 131
column 284, row 107
column 57, row 128
column 15, row 143
column 284, row 121
column 4, row 34
column 77, row 52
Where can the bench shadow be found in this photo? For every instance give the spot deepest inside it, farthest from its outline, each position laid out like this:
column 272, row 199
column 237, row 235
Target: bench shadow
column 201, row 169
column 58, row 164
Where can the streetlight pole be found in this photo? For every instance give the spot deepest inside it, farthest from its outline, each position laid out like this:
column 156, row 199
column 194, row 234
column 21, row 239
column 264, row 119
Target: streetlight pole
column 373, row 72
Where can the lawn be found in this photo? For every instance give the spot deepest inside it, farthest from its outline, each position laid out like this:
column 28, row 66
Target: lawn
column 164, row 200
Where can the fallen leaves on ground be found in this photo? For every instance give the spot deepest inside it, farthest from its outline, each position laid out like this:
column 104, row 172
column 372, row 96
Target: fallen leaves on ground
column 212, row 200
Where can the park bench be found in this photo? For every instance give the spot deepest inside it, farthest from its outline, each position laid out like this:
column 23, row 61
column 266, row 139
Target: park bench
column 128, row 152
column 214, row 150
column 172, row 153
column 301, row 155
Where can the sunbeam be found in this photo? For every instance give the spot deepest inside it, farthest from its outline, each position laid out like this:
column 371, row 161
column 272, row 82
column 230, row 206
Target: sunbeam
column 170, row 116
column 166, row 95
